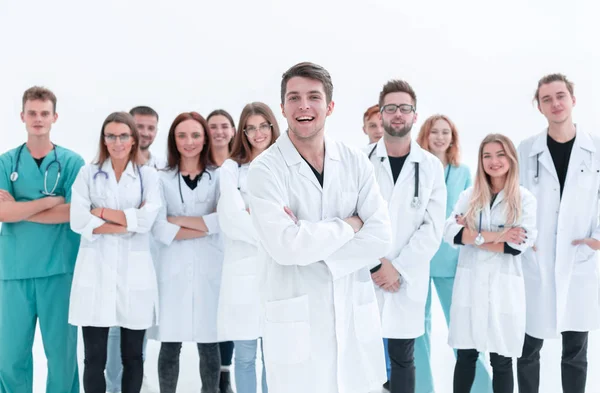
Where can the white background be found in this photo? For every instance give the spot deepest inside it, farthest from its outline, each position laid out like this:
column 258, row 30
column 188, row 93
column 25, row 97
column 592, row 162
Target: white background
column 476, row 61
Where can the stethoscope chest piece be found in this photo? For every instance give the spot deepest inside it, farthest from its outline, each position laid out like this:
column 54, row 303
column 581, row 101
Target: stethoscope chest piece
column 14, row 176
column 416, row 203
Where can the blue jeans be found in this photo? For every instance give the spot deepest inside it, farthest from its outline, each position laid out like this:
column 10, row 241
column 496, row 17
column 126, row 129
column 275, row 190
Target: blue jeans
column 245, row 367
column 114, row 365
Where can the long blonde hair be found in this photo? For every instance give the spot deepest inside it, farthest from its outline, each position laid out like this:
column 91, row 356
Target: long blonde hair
column 482, row 188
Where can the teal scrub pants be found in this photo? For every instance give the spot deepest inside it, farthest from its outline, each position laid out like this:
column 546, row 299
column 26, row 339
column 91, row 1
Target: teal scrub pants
column 22, row 303
column 424, row 383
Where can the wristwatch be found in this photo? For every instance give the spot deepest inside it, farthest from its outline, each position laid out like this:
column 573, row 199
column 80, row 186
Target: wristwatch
column 479, row 240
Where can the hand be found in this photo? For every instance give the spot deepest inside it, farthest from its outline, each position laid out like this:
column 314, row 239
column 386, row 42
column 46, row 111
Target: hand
column 387, row 277
column 6, row 196
column 248, row 210
column 97, row 211
column 355, row 222
column 460, row 220
column 290, row 213
column 516, row 235
column 592, row 243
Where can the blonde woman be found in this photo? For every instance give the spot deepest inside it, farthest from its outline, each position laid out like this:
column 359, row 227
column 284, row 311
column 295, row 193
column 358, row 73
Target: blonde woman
column 493, row 222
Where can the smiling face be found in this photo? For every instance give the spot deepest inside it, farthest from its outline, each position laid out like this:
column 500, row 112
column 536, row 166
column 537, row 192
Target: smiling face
column 118, row 140
column 373, row 127
column 440, row 137
column 555, row 102
column 494, row 160
column 398, row 124
column 305, row 108
column 38, row 117
column 221, row 131
column 147, row 126
column 189, row 138
column 259, row 132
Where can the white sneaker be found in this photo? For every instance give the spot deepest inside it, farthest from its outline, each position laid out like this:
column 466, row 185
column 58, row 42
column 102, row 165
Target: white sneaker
column 147, row 387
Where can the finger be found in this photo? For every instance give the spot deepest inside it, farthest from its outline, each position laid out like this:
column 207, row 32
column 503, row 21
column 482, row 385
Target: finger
column 578, row 242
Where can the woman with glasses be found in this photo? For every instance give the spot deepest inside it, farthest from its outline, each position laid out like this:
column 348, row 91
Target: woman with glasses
column 239, row 314
column 493, row 223
column 190, row 261
column 114, row 204
column 439, row 136
column 221, row 129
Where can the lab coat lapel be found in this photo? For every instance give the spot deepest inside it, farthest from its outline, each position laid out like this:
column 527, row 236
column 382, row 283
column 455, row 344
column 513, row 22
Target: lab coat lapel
column 332, row 168
column 409, row 167
column 540, row 146
column 581, row 157
column 382, row 162
column 293, row 158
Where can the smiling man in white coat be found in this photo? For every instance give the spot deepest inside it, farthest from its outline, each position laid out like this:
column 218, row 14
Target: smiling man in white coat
column 561, row 167
column 320, row 219
column 412, row 182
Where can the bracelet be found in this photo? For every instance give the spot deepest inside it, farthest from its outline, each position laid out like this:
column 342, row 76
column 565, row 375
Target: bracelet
column 102, row 213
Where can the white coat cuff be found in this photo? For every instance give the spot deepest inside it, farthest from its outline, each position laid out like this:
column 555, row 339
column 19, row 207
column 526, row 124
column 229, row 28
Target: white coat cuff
column 169, row 233
column 131, row 218
column 212, row 223
column 88, row 231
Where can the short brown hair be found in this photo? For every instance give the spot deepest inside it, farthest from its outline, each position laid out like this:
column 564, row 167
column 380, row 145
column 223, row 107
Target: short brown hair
column 173, row 155
column 370, row 112
column 241, row 147
column 397, row 86
column 39, row 93
column 553, row 78
column 311, row 71
column 453, row 152
column 143, row 111
column 121, row 118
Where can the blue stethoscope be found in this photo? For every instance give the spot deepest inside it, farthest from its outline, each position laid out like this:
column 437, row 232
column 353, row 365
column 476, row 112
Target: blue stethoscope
column 15, row 175
column 416, row 201
column 105, row 174
column 199, row 178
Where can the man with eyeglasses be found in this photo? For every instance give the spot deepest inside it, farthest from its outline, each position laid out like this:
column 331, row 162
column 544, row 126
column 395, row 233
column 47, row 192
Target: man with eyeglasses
column 412, row 182
column 37, row 252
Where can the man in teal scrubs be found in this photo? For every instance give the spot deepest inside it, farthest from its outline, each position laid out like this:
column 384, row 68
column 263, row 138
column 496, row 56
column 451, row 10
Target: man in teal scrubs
column 37, row 253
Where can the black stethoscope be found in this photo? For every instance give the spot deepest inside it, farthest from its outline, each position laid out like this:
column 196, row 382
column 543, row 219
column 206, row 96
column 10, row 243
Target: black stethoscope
column 416, row 201
column 15, row 175
column 536, row 178
column 197, row 181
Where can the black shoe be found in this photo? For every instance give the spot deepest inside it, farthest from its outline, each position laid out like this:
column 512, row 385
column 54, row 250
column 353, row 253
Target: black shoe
column 225, row 382
column 386, row 386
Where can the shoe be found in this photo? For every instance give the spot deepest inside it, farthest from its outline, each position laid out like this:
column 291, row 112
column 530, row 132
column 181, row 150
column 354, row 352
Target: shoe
column 386, row 386
column 225, row 382
column 146, row 387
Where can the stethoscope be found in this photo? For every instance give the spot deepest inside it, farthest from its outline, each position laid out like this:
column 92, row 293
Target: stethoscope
column 199, row 178
column 536, row 178
column 105, row 174
column 416, row 201
column 15, row 175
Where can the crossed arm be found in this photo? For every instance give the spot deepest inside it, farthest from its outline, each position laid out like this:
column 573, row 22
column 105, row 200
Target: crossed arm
column 47, row 210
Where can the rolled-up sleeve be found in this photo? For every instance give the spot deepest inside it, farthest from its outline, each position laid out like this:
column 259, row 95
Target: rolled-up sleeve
column 142, row 219
column 83, row 221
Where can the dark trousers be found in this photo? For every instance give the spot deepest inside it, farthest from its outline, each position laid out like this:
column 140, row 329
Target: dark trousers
column 168, row 367
column 95, row 347
column 464, row 372
column 226, row 349
column 402, row 358
column 573, row 363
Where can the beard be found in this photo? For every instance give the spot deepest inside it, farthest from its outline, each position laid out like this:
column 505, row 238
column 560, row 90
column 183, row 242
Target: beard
column 400, row 133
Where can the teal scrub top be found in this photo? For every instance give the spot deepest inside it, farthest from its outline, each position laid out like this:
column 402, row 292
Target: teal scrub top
column 445, row 260
column 31, row 250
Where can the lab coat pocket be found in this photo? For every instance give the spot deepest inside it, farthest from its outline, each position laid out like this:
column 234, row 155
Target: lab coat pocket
column 287, row 331
column 87, row 272
column 461, row 292
column 98, row 199
column 140, row 271
column 511, row 294
column 587, row 178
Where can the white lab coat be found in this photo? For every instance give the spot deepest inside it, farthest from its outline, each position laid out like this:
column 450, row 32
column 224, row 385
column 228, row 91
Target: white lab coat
column 156, row 162
column 239, row 312
column 417, row 235
column 488, row 298
column 188, row 271
column 322, row 332
column 561, row 280
column 114, row 282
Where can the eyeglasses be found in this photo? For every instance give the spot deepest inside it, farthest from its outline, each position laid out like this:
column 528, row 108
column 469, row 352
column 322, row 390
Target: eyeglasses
column 113, row 138
column 392, row 108
column 251, row 130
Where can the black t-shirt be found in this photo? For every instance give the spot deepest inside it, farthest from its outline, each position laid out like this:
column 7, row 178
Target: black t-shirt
column 38, row 161
column 561, row 154
column 191, row 183
column 396, row 163
column 318, row 175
